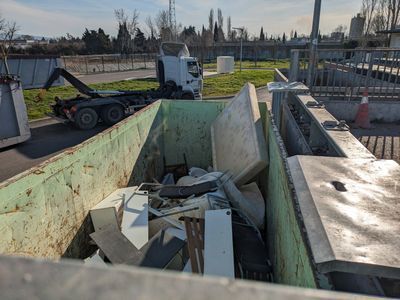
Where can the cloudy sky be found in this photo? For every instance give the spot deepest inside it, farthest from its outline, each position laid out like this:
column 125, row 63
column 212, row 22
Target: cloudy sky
column 54, row 18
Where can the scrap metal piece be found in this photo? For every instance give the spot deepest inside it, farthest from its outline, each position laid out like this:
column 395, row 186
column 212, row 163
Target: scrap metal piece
column 117, row 248
column 218, row 244
column 351, row 213
column 187, row 191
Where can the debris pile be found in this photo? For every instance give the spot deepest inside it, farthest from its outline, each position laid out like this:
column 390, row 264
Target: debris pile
column 196, row 221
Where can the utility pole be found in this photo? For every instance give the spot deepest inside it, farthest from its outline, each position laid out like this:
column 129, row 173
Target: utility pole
column 314, row 42
column 241, row 29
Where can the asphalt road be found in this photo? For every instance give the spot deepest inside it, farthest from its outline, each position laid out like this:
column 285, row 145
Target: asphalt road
column 50, row 138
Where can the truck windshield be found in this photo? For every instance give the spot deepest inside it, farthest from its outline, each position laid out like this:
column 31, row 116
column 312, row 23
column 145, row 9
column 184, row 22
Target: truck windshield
column 193, row 68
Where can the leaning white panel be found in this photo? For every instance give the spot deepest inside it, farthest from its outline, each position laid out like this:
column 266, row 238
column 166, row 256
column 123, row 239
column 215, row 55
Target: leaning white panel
column 218, row 244
column 238, row 142
column 135, row 226
column 105, row 213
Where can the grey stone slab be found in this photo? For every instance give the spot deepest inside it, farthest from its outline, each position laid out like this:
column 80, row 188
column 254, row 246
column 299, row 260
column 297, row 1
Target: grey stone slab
column 238, row 142
column 351, row 211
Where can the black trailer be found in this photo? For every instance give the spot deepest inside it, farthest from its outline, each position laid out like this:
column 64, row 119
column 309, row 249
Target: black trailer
column 110, row 107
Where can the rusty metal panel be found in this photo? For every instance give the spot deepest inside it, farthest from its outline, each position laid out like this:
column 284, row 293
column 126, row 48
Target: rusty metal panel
column 43, row 210
column 187, row 131
column 289, row 255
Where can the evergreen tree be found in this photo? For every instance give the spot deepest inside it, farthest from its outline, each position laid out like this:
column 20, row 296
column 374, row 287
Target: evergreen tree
column 284, row 38
column 139, row 40
column 262, row 36
column 295, row 35
column 216, row 31
column 123, row 40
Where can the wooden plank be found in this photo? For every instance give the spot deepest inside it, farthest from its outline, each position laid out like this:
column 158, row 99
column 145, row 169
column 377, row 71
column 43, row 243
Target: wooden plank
column 135, row 220
column 218, row 244
column 106, row 212
column 117, row 248
column 195, row 239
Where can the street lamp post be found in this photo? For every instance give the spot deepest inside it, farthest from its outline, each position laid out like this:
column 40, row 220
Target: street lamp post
column 241, row 29
column 314, row 42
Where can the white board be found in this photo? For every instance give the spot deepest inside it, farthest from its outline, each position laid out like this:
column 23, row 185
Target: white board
column 105, row 213
column 238, row 141
column 218, row 244
column 135, row 220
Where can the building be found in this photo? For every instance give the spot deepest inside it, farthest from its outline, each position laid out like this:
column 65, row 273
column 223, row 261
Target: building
column 394, row 37
column 357, row 27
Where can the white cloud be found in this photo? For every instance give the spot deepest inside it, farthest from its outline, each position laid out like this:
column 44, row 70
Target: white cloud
column 276, row 16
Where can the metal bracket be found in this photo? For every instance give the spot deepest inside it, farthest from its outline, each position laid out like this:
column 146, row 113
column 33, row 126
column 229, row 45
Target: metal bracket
column 314, row 104
column 336, row 126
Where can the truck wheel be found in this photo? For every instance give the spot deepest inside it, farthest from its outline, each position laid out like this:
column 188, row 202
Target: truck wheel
column 86, row 118
column 112, row 114
column 188, row 96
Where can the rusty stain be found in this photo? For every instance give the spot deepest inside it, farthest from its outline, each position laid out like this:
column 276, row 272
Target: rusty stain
column 29, row 192
column 38, row 172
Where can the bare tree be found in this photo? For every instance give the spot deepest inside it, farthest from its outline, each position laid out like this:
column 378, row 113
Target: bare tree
column 162, row 24
column 121, row 16
column 368, row 10
column 7, row 32
column 152, row 27
column 129, row 25
column 211, row 21
column 132, row 26
column 389, row 11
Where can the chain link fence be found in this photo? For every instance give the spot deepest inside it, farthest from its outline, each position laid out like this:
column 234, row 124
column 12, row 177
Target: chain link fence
column 89, row 64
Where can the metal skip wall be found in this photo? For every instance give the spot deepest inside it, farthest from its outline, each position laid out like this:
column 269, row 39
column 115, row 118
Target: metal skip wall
column 43, row 212
column 33, row 71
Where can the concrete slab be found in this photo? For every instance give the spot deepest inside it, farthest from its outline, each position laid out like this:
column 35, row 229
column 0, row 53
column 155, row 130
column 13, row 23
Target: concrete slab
column 238, row 143
column 351, row 211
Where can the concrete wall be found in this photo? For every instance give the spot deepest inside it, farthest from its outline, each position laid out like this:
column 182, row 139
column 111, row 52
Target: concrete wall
column 379, row 111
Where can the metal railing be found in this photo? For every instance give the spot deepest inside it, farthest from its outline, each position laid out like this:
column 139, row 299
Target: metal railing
column 88, row 64
column 346, row 74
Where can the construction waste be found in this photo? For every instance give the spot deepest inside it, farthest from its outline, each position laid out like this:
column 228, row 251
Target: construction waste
column 193, row 220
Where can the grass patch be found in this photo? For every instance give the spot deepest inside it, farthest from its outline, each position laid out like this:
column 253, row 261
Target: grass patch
column 215, row 86
column 230, row 84
column 280, row 64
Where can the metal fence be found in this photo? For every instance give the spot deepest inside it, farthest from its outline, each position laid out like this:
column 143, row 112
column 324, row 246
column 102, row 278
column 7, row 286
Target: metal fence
column 89, row 64
column 346, row 74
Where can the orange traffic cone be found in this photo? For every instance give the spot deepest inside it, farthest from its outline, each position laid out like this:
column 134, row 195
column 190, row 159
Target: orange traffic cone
column 362, row 117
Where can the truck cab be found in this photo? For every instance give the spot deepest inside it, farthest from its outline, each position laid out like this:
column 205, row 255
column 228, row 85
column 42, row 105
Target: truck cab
column 175, row 66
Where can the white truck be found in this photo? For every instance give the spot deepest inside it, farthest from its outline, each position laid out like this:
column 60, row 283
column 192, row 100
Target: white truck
column 179, row 75
column 174, row 65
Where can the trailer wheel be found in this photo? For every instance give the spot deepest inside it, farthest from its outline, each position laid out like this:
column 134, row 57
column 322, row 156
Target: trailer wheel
column 112, row 114
column 86, row 118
